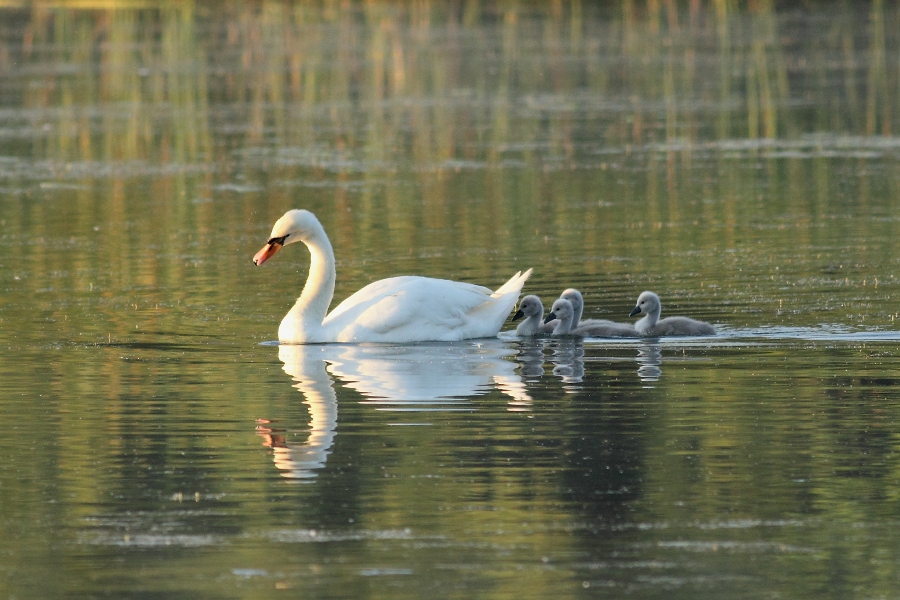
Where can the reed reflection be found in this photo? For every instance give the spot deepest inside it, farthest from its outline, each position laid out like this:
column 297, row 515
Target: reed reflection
column 415, row 377
column 224, row 113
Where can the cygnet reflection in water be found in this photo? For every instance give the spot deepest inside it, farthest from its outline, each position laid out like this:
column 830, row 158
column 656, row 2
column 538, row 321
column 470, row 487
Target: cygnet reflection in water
column 568, row 361
column 649, row 359
column 531, row 357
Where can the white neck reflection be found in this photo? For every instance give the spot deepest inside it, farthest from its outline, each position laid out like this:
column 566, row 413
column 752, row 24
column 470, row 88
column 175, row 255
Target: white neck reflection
column 413, row 377
column 301, row 462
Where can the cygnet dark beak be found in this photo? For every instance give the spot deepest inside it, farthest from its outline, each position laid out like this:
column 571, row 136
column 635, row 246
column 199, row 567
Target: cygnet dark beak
column 634, row 311
column 519, row 314
column 550, row 316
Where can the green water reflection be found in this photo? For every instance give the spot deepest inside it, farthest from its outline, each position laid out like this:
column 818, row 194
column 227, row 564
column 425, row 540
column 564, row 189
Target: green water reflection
column 740, row 161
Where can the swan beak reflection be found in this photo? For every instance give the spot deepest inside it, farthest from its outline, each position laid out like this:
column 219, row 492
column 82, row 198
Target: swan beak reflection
column 634, row 311
column 519, row 314
column 267, row 252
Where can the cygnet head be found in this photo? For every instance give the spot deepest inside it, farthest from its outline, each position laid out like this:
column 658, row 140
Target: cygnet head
column 647, row 303
column 293, row 226
column 575, row 297
column 529, row 306
column 561, row 309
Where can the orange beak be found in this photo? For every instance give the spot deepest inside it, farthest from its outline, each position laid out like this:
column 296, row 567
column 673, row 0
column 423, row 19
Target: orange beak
column 267, row 252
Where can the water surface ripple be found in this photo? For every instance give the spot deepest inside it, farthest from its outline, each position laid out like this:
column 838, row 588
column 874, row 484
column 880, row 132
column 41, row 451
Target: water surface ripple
column 740, row 161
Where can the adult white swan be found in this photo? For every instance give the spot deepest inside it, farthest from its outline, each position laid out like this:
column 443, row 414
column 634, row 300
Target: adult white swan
column 397, row 309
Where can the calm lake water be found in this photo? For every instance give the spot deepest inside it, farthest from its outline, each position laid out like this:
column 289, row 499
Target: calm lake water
column 157, row 442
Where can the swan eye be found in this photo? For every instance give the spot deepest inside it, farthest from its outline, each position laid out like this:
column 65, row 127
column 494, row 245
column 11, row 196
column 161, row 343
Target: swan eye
column 278, row 240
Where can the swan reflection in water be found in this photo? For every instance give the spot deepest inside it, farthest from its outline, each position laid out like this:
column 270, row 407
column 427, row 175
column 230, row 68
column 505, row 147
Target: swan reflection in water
column 302, row 461
column 414, row 377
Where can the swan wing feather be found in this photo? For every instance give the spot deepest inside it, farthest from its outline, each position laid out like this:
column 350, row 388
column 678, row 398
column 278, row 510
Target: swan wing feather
column 682, row 326
column 409, row 308
column 607, row 329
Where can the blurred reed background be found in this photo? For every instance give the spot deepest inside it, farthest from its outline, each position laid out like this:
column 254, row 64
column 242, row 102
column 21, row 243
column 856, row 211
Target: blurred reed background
column 625, row 136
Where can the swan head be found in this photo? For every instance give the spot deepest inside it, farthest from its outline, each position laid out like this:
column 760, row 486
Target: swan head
column 293, row 226
column 529, row 306
column 647, row 303
column 561, row 309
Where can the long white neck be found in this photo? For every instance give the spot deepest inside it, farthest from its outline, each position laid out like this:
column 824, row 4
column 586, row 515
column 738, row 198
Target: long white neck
column 311, row 307
column 648, row 321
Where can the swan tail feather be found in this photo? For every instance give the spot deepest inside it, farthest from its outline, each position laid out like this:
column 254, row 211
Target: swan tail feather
column 515, row 284
column 492, row 314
